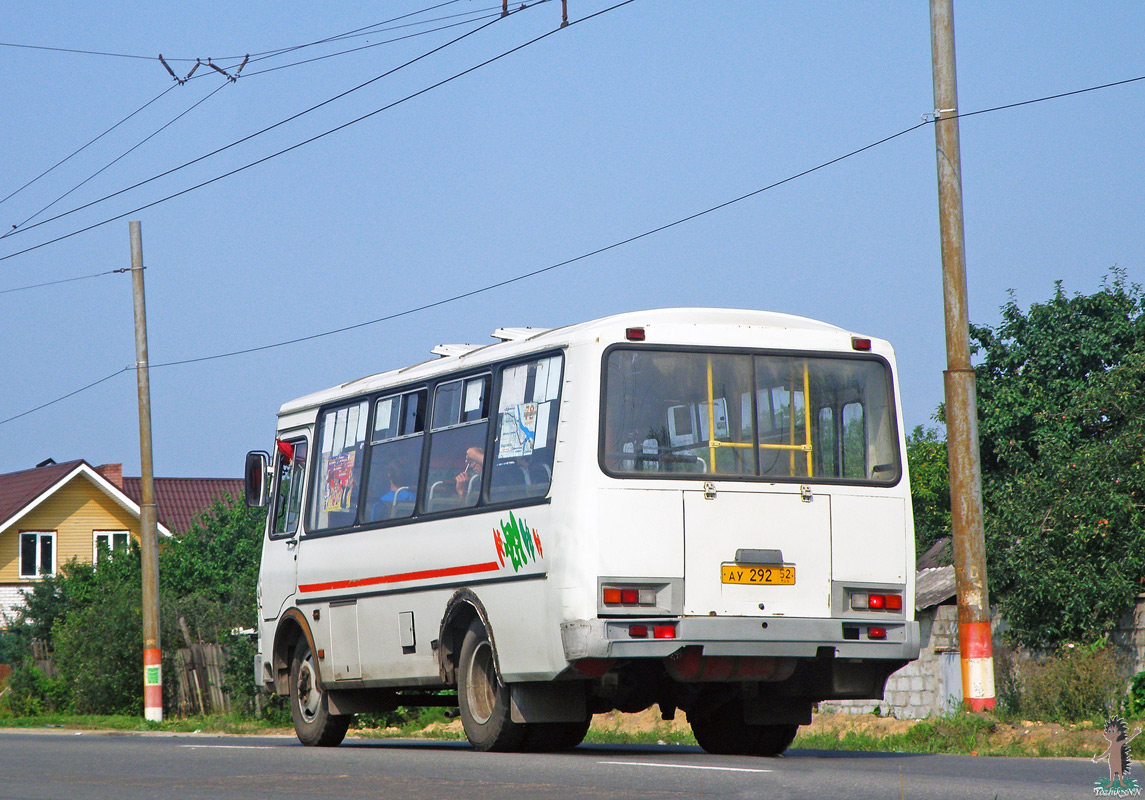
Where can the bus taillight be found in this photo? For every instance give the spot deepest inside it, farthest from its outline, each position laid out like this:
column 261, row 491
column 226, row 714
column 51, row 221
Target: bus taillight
column 882, row 601
column 628, row 596
column 664, row 631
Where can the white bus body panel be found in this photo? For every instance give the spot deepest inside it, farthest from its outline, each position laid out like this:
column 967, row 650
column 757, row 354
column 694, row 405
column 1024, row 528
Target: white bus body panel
column 366, row 593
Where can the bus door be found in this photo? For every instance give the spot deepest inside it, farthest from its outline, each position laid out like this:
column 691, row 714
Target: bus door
column 277, row 582
column 757, row 553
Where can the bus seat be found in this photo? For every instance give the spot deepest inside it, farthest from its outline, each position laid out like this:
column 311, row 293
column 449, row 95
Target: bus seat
column 441, row 496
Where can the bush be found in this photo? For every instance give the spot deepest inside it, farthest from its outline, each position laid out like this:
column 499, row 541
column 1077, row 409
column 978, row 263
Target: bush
column 30, row 692
column 1075, row 683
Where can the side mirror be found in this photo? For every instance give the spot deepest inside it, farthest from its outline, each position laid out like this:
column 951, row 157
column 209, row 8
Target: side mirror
column 254, row 478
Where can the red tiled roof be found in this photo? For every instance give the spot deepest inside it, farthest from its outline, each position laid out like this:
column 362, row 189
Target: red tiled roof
column 17, row 489
column 180, row 501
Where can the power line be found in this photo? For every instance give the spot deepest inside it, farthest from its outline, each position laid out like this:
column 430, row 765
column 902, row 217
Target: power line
column 533, row 273
column 69, row 394
column 498, row 284
column 19, row 227
column 377, row 44
column 72, row 50
column 1049, row 97
column 93, row 141
column 246, row 139
column 64, row 280
column 111, row 163
column 363, row 31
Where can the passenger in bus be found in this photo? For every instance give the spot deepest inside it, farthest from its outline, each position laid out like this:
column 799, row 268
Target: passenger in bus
column 399, row 492
column 474, row 462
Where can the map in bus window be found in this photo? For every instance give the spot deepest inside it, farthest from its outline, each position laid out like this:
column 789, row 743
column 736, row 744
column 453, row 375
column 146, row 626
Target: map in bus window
column 339, row 482
column 519, row 430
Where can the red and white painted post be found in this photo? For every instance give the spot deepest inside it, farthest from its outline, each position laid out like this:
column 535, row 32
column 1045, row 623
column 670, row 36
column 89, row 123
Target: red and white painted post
column 961, row 404
column 148, row 513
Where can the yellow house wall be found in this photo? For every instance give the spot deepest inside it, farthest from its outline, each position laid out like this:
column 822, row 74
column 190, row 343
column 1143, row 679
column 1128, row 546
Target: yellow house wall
column 74, row 512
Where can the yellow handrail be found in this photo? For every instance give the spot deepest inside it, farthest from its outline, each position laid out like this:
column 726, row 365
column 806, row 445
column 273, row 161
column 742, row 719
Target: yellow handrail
column 806, row 447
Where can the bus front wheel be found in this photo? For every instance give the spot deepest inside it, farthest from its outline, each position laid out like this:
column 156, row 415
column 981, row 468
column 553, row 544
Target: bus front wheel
column 309, row 705
column 483, row 698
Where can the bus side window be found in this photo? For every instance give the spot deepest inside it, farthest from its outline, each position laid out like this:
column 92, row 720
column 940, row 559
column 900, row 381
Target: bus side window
column 457, row 443
column 527, row 411
column 334, row 496
column 395, row 456
column 288, row 486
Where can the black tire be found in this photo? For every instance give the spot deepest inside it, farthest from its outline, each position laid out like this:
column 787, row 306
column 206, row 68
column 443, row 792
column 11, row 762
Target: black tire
column 483, row 698
column 309, row 706
column 554, row 737
column 722, row 731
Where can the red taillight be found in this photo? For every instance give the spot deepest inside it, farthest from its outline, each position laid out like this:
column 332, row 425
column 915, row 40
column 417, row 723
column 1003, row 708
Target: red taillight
column 629, row 597
column 876, row 633
column 878, row 601
column 663, row 631
column 634, row 334
column 638, row 631
column 612, row 596
column 894, row 602
column 860, row 343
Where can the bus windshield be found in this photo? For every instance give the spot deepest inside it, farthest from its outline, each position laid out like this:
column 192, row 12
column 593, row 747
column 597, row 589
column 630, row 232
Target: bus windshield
column 768, row 416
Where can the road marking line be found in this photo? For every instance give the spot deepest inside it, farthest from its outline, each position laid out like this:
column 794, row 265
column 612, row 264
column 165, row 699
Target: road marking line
column 228, row 746
column 680, row 766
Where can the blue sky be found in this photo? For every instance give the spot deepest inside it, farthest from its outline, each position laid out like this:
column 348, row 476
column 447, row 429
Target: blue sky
column 604, row 130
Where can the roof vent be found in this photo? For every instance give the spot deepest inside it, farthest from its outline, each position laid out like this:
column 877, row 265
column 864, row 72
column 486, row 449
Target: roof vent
column 447, row 350
column 517, row 334
column 47, row 462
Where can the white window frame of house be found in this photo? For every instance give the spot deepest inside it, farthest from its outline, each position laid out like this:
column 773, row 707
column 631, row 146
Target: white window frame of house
column 40, row 572
column 111, row 536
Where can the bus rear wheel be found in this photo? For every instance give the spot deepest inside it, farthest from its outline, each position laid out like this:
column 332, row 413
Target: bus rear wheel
column 483, row 698
column 309, row 705
column 722, row 731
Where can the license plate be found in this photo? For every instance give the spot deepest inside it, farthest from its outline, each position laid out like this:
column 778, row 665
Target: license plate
column 757, row 575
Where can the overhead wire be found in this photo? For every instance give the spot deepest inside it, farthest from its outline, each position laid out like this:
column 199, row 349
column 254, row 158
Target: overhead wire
column 250, row 136
column 84, row 147
column 365, row 30
column 64, row 280
column 122, row 155
column 927, row 120
column 91, row 385
column 375, row 44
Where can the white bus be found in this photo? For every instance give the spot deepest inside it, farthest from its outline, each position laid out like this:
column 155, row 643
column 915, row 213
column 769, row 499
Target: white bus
column 700, row 509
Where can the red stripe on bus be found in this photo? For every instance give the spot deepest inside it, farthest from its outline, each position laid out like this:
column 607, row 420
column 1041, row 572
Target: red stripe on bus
column 466, row 569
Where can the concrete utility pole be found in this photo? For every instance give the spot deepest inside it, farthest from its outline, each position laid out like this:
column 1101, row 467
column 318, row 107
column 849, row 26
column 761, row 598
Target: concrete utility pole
column 148, row 516
column 974, row 636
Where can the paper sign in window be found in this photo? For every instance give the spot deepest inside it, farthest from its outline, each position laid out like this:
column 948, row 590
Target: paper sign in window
column 518, row 431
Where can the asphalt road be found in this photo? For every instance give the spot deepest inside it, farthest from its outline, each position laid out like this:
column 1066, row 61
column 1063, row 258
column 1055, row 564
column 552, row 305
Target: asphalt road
column 76, row 766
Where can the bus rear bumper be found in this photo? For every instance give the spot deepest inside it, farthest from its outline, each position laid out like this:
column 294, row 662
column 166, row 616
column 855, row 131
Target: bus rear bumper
column 891, row 640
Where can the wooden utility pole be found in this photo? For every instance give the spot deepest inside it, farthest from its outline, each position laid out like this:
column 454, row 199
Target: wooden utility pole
column 974, row 636
column 148, row 516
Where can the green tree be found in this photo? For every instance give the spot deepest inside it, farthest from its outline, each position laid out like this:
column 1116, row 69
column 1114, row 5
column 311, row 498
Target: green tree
column 1066, row 536
column 1060, row 401
column 929, row 486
